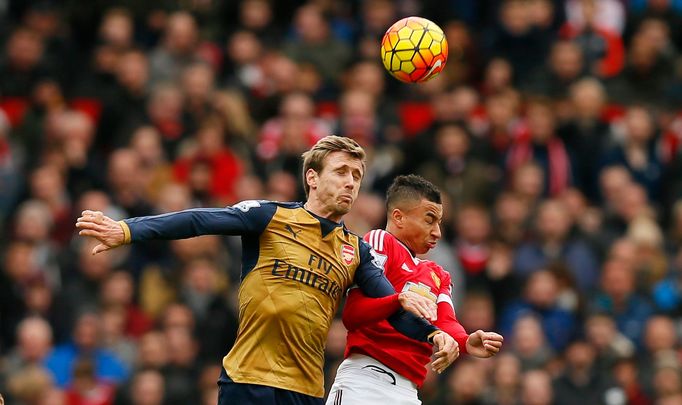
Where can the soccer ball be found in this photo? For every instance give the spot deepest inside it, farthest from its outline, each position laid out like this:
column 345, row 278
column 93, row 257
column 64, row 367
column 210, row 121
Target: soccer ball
column 414, row 50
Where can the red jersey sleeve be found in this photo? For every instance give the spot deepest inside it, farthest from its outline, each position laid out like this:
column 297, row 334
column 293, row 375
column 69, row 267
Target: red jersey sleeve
column 360, row 310
column 447, row 320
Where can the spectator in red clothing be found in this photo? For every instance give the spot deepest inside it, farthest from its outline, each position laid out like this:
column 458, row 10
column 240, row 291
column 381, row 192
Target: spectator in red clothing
column 221, row 168
column 86, row 389
column 601, row 44
column 543, row 147
column 117, row 290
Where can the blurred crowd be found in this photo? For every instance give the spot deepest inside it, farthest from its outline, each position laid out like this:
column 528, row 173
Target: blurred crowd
column 554, row 132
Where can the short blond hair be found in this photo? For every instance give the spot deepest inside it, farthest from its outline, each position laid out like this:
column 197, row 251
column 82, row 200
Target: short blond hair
column 315, row 156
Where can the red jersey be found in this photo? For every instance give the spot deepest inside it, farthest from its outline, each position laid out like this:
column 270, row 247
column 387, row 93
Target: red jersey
column 380, row 340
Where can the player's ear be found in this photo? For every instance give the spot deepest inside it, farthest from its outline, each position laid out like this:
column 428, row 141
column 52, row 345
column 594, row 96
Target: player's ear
column 311, row 178
column 397, row 217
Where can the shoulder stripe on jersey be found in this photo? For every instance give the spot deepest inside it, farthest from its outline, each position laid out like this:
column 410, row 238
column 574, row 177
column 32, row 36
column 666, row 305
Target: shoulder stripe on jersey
column 445, row 298
column 370, row 240
column 382, row 235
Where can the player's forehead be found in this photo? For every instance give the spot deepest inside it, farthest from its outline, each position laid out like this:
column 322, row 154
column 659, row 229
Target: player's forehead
column 423, row 206
column 339, row 159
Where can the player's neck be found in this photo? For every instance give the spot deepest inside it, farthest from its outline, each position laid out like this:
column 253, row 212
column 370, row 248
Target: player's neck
column 322, row 211
column 395, row 231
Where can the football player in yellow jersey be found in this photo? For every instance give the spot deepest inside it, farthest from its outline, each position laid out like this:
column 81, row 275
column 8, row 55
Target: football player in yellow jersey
column 297, row 261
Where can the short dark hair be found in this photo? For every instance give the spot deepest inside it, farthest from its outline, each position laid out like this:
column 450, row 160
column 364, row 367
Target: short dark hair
column 411, row 187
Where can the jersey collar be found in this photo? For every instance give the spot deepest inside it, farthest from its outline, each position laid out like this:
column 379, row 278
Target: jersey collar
column 326, row 226
column 415, row 259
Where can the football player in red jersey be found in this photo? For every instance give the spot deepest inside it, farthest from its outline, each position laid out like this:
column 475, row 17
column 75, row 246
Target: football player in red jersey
column 381, row 365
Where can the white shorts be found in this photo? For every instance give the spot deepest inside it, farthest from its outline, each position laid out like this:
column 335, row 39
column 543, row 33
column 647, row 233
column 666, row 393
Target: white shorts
column 363, row 380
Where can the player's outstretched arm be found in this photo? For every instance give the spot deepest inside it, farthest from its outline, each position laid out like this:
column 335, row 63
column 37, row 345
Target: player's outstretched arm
column 108, row 232
column 247, row 217
column 484, row 344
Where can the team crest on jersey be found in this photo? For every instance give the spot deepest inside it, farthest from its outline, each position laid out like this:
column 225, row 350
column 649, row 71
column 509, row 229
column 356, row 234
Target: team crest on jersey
column 421, row 289
column 435, row 279
column 347, row 254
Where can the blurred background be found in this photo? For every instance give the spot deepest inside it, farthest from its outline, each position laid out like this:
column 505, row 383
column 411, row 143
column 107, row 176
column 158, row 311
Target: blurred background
column 554, row 132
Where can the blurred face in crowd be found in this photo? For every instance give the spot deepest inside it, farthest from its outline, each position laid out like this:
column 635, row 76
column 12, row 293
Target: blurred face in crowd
column 181, row 33
column 147, row 388
column 498, row 74
column 198, row 83
column 536, row 388
column 473, row 224
column 540, row 122
column 588, row 98
column 87, row 331
column 124, row 166
column 368, row 76
column 118, row 289
column 93, row 267
column 19, row 261
column 201, row 276
column 152, row 350
column 117, row 29
column 631, row 201
column 132, row 71
column 244, row 48
column 34, row 338
column 24, row 50
column 378, row 15
column 514, row 17
column 612, row 182
column 165, row 104
column 660, row 334
column 528, row 181
column 667, row 381
column 181, row 346
column 566, row 60
column 255, row 14
column 452, row 142
column 468, row 381
column 580, row 355
column 528, row 336
column 542, row 289
column 477, row 312
column 600, row 331
column 507, row 371
column 146, row 142
column 310, row 24
column 639, row 125
column 33, row 222
column 553, row 221
column 618, row 280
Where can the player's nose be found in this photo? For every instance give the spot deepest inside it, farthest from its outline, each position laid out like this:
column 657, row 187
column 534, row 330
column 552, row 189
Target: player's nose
column 435, row 232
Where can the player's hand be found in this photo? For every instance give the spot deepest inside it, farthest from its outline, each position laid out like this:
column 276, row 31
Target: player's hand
column 484, row 344
column 107, row 231
column 418, row 305
column 447, row 351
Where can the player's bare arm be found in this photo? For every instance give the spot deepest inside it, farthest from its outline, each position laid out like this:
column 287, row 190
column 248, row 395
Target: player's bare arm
column 108, row 232
column 484, row 344
column 447, row 351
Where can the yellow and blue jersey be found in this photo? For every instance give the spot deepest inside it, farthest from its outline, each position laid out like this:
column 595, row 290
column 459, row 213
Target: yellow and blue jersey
column 295, row 268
